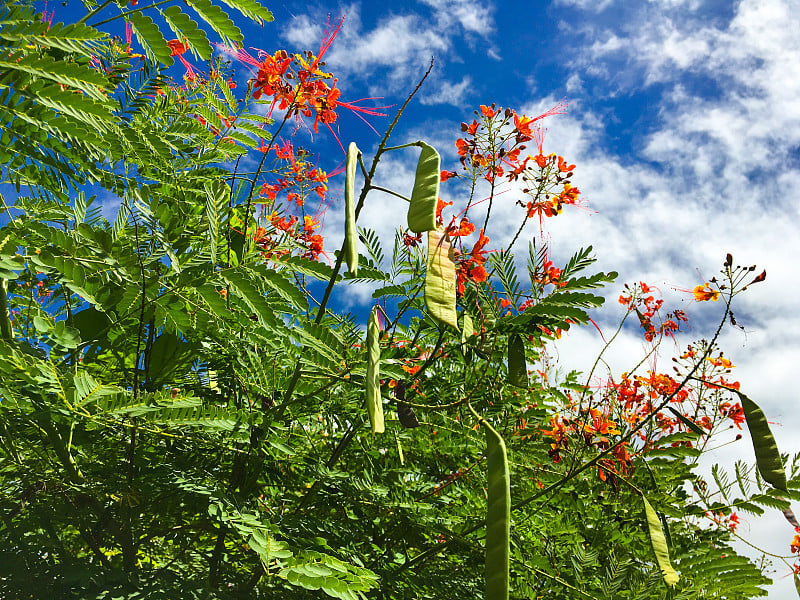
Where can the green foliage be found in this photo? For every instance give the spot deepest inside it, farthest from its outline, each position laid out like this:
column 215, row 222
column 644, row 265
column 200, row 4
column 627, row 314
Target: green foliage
column 181, row 415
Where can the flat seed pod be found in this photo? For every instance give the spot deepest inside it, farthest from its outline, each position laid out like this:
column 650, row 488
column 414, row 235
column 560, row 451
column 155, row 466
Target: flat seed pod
column 440, row 279
column 768, row 458
column 517, row 363
column 374, row 402
column 468, row 328
column 350, row 232
column 659, row 543
column 404, row 412
column 498, row 516
column 422, row 208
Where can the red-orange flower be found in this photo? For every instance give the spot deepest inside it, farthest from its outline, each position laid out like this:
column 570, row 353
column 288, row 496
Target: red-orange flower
column 703, row 292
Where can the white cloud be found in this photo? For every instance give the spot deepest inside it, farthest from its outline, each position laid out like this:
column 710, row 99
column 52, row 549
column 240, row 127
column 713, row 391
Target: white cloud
column 302, row 32
column 448, row 93
column 400, row 45
column 474, row 17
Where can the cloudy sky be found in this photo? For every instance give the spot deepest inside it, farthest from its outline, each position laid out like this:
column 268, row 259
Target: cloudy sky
column 683, row 119
column 684, row 122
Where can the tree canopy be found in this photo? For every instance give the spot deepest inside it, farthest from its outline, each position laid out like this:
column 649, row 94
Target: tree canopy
column 184, row 414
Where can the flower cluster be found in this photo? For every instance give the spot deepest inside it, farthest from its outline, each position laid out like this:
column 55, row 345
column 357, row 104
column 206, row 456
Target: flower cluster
column 729, row 521
column 641, row 300
column 493, row 149
column 297, row 177
column 297, row 84
column 303, row 233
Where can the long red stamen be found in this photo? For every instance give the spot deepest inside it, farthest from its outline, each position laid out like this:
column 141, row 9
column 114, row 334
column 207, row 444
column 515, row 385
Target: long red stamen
column 328, row 37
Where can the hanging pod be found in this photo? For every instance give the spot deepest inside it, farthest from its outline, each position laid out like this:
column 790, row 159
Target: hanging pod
column 659, row 543
column 374, row 402
column 440, row 279
column 768, row 458
column 422, row 208
column 498, row 516
column 405, row 413
column 517, row 363
column 350, row 232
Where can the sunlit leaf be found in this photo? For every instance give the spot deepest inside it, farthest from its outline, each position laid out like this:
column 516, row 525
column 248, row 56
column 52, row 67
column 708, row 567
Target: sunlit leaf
column 151, row 38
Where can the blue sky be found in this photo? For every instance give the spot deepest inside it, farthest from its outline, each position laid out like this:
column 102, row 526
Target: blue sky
column 684, row 122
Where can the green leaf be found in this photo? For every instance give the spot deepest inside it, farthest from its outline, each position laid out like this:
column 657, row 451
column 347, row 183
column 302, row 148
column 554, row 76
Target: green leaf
column 252, row 297
column 218, row 19
column 252, row 9
column 373, row 382
column 517, row 364
column 286, row 289
column 216, row 193
column 422, row 209
column 768, row 458
column 659, row 543
column 440, row 279
column 150, row 38
column 67, row 73
column 498, row 516
column 686, row 421
column 167, row 352
column 186, row 29
column 350, row 232
column 64, row 335
column 268, row 548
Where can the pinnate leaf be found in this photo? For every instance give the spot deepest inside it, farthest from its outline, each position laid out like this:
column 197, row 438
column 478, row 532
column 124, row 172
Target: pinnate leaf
column 187, row 30
column 151, row 38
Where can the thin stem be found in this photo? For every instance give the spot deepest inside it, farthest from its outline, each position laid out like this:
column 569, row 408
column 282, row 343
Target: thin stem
column 362, row 197
column 125, row 14
column 92, row 13
column 6, row 331
column 387, row 191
